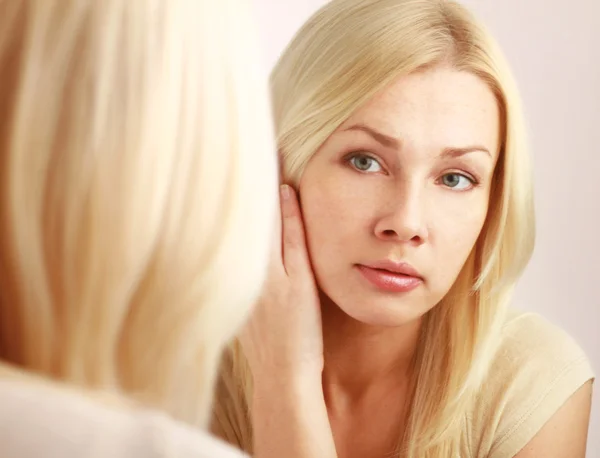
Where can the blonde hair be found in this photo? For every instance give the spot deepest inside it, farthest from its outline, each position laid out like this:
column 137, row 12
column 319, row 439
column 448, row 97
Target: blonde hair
column 138, row 192
column 346, row 53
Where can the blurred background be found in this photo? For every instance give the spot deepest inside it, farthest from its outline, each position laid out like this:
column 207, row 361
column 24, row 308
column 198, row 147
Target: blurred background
column 554, row 49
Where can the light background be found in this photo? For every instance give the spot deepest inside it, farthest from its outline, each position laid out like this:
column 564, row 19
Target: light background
column 554, row 49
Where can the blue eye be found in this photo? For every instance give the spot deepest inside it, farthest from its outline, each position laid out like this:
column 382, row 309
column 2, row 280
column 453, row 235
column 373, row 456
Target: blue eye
column 364, row 163
column 457, row 181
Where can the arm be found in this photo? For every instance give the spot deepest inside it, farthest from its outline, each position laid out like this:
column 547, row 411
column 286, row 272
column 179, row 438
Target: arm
column 290, row 419
column 565, row 434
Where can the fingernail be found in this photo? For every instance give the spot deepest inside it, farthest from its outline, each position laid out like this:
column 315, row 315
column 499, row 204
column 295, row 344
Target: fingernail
column 285, row 192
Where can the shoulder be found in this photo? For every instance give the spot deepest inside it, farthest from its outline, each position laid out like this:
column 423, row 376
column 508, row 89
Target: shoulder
column 69, row 424
column 529, row 338
column 535, row 370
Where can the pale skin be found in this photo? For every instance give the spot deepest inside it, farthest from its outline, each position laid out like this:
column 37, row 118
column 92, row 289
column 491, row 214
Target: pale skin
column 406, row 178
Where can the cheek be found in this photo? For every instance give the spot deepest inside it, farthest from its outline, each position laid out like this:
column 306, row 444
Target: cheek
column 328, row 212
column 337, row 215
column 463, row 227
column 456, row 230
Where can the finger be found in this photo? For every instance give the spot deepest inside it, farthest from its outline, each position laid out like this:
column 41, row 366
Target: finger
column 276, row 269
column 295, row 254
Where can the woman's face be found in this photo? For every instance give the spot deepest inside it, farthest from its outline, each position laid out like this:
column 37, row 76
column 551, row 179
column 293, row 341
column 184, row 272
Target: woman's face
column 395, row 199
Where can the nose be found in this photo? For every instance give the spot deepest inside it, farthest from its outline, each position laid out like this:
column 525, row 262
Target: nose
column 403, row 219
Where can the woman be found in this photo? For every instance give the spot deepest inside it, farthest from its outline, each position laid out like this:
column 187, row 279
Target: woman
column 137, row 164
column 400, row 128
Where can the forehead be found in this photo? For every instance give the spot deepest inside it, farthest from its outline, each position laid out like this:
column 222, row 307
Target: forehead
column 436, row 108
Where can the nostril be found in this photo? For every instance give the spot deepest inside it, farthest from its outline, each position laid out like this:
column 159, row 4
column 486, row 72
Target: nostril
column 389, row 233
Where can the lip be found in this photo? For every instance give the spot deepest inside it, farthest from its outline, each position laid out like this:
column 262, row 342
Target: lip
column 394, row 267
column 389, row 276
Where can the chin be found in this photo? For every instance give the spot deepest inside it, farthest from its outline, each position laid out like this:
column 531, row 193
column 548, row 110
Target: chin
column 376, row 309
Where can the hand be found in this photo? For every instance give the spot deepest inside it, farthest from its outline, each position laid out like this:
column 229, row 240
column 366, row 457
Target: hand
column 283, row 337
column 283, row 343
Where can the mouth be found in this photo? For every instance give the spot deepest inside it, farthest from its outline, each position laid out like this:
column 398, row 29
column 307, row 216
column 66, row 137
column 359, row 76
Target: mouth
column 401, row 279
column 401, row 268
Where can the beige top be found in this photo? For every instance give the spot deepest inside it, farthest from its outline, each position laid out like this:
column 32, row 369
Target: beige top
column 38, row 421
column 537, row 368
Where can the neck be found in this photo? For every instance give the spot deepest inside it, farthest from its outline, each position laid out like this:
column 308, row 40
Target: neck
column 359, row 357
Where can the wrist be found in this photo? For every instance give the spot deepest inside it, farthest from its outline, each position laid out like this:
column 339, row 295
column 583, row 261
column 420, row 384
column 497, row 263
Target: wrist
column 290, row 418
column 295, row 386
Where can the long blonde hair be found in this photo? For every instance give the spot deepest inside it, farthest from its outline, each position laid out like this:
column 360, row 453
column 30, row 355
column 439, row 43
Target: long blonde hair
column 137, row 193
column 346, row 53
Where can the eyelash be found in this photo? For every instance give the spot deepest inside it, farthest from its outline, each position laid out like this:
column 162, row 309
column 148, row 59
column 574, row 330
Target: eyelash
column 349, row 157
column 475, row 182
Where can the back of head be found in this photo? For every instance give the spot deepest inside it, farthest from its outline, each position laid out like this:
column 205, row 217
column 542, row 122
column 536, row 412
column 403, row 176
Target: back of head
column 344, row 55
column 137, row 192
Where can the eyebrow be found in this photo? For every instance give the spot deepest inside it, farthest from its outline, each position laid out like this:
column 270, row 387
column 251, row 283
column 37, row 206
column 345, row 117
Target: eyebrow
column 391, row 142
column 385, row 140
